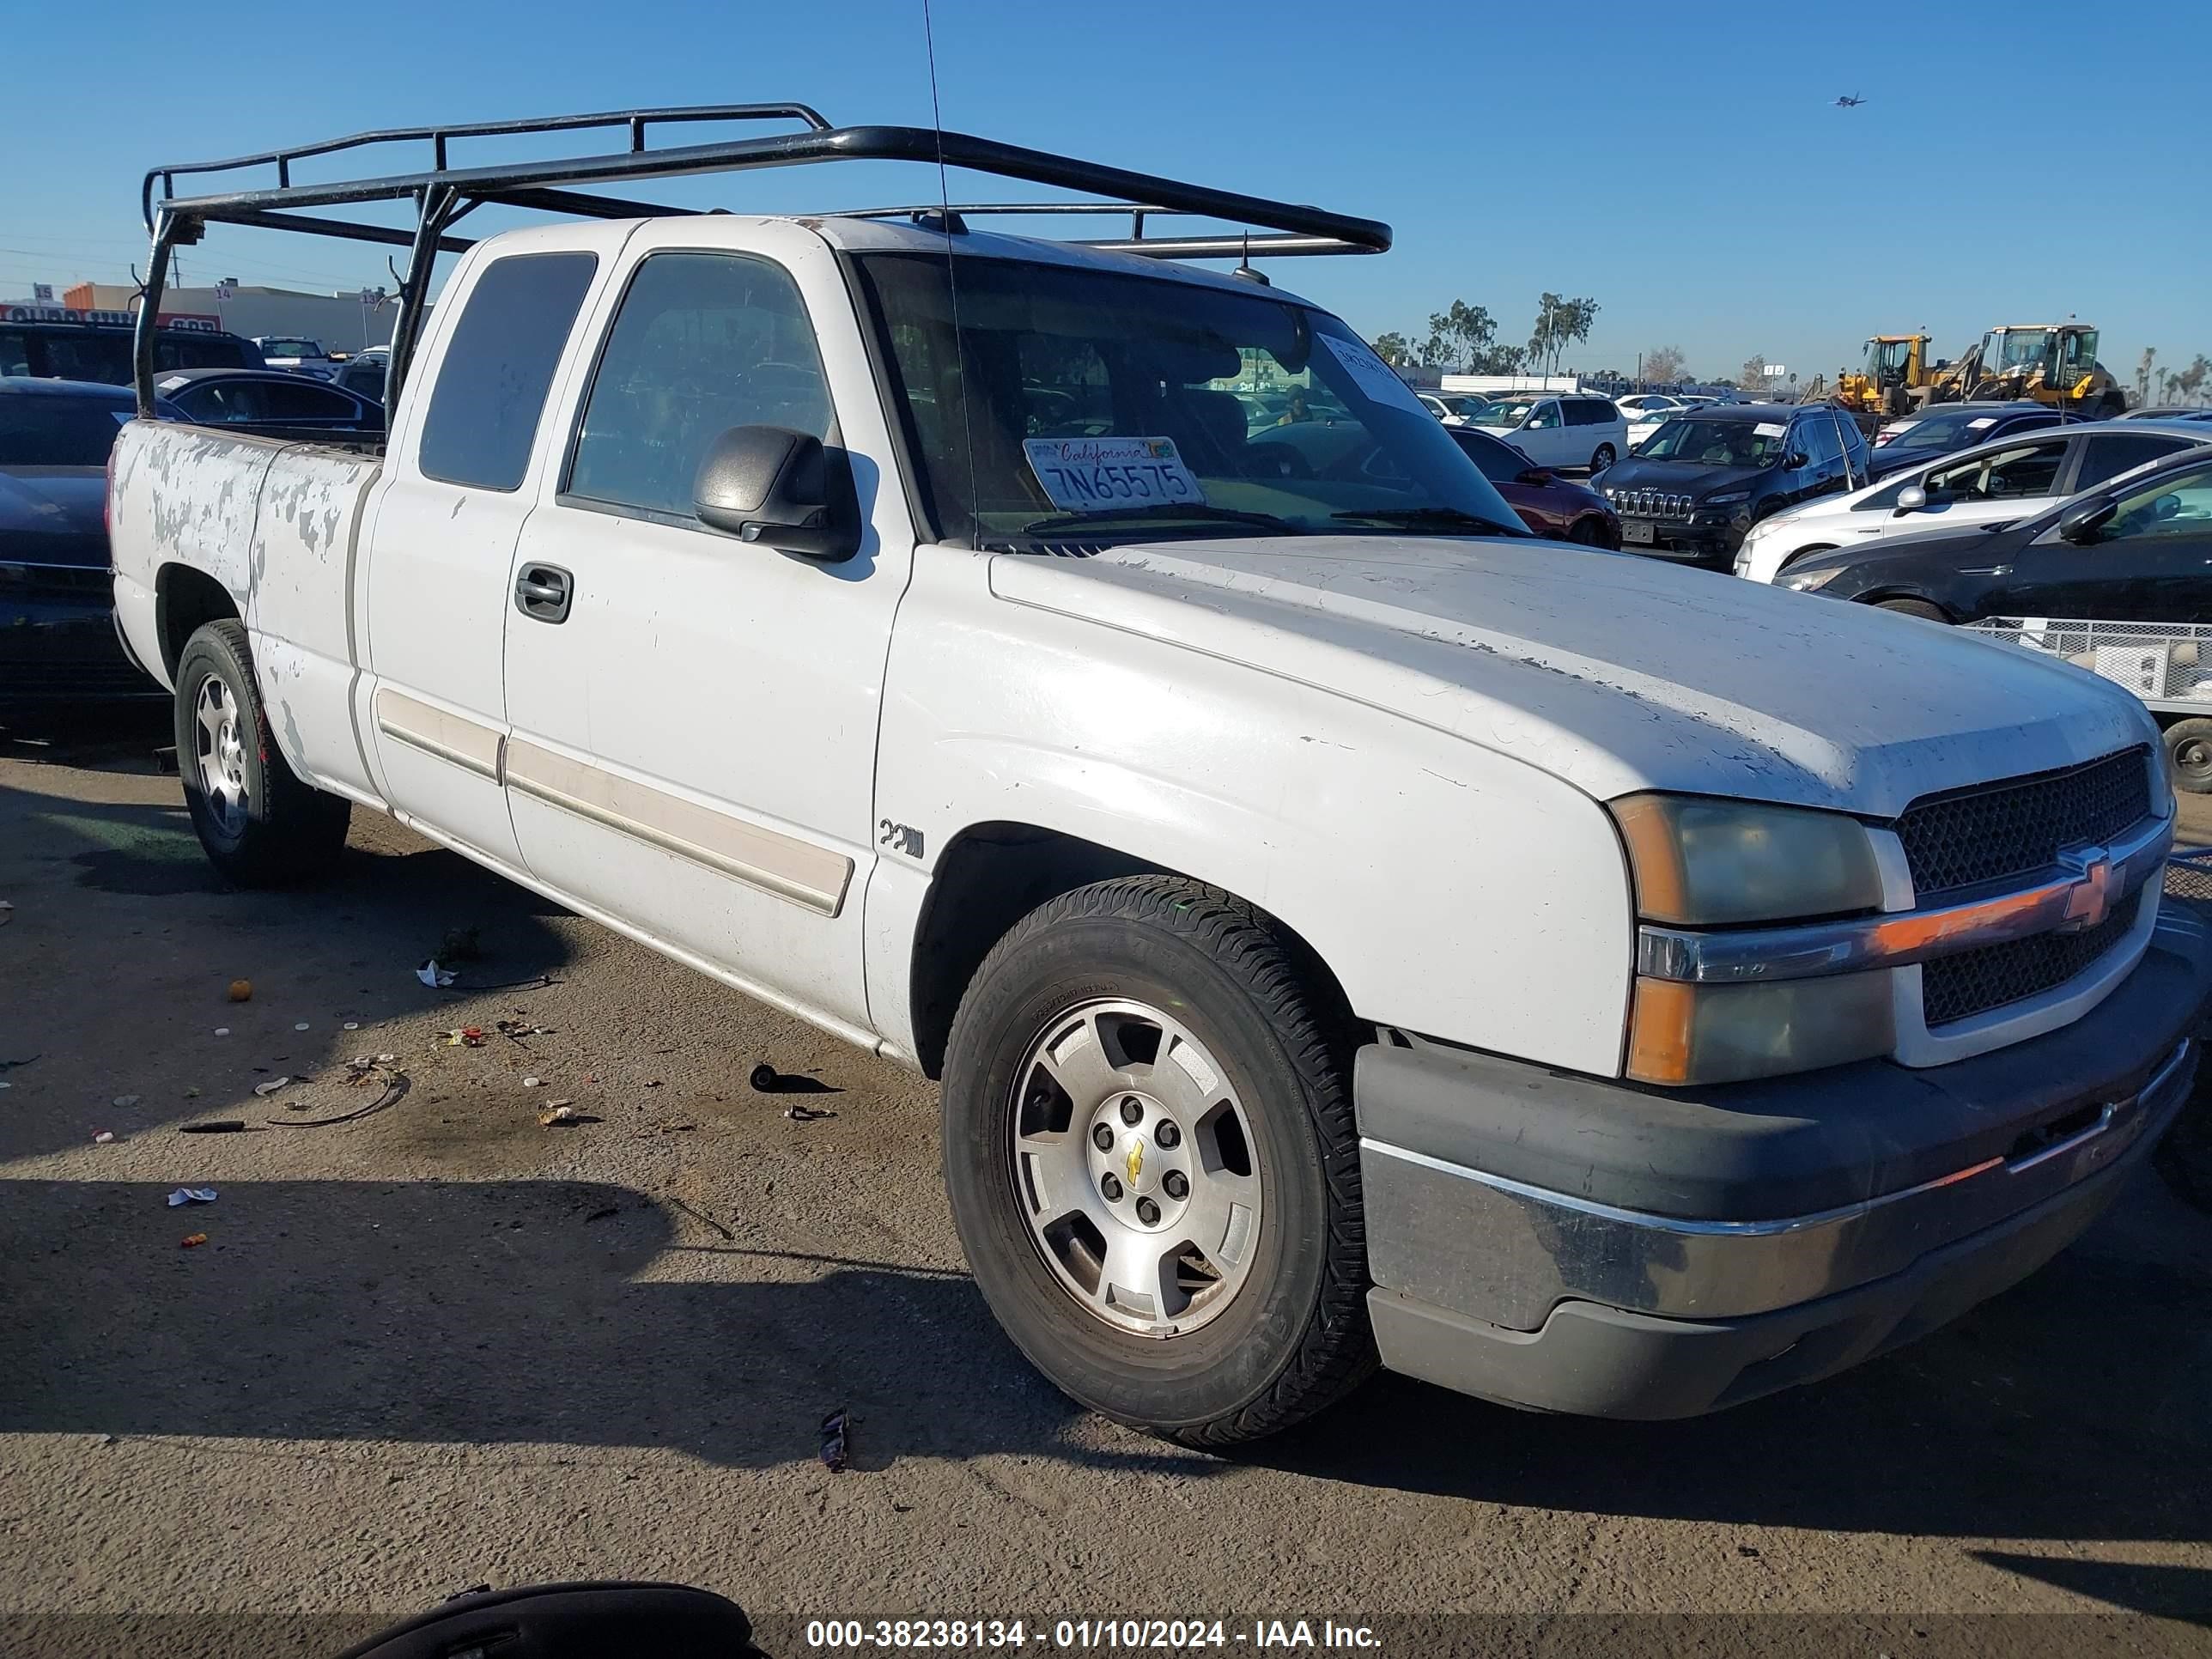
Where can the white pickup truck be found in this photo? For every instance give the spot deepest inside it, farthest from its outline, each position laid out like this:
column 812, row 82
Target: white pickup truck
column 1343, row 928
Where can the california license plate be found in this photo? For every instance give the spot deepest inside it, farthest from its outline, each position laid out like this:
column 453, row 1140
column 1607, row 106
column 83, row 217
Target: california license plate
column 1631, row 531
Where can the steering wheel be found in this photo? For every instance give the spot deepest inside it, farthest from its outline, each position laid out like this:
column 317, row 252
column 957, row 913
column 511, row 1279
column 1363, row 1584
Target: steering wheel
column 1281, row 459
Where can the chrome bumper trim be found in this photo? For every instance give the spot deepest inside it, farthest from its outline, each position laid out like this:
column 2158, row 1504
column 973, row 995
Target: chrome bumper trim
column 1529, row 1248
column 2101, row 877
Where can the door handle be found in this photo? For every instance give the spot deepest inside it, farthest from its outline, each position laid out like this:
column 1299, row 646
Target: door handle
column 542, row 592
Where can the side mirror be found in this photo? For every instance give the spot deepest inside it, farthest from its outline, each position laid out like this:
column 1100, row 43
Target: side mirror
column 2082, row 522
column 781, row 489
column 1534, row 475
column 1796, row 458
column 1911, row 499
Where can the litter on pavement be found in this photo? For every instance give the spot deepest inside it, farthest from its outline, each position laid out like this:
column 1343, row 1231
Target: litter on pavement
column 185, row 1195
column 221, row 1125
column 103, row 1137
column 272, row 1086
column 241, row 990
column 553, row 1116
column 435, row 977
column 126, row 1100
column 799, row 1113
column 192, row 1241
column 835, row 1428
column 458, row 1036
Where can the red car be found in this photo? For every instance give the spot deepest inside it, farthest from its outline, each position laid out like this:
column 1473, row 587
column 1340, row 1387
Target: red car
column 1548, row 504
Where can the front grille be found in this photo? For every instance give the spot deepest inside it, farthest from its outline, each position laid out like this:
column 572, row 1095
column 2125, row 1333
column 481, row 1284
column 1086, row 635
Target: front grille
column 2004, row 830
column 1974, row 982
column 1649, row 503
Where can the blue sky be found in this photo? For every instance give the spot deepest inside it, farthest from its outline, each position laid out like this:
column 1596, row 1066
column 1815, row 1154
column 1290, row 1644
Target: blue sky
column 2013, row 162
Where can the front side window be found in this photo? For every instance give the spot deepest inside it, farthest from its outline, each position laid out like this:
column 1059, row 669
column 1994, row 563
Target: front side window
column 2000, row 475
column 1817, row 439
column 59, row 431
column 1510, row 414
column 307, row 401
column 482, row 418
column 2179, row 505
column 1043, row 402
column 703, row 342
column 1543, row 417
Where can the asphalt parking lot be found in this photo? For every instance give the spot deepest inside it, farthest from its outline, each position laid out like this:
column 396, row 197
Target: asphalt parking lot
column 438, row 1345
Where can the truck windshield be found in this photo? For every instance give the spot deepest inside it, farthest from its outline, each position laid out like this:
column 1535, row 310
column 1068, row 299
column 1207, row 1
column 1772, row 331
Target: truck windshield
column 1072, row 404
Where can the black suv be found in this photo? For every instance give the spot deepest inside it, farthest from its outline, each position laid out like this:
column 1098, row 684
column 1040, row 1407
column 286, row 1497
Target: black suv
column 1707, row 476
column 100, row 351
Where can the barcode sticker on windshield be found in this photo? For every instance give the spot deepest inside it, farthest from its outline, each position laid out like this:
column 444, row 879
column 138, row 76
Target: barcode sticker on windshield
column 1373, row 376
column 1769, row 429
column 1085, row 474
column 1986, row 420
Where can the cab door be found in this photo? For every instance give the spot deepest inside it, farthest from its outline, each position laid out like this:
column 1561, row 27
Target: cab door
column 1543, row 437
column 695, row 716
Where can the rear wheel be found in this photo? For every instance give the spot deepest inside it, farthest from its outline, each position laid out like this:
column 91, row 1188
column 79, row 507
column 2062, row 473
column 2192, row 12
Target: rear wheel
column 259, row 824
column 1589, row 532
column 1603, row 457
column 1148, row 1146
column 1913, row 608
column 2189, row 756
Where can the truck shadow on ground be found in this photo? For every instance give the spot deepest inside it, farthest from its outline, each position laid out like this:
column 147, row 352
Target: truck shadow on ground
column 487, row 1312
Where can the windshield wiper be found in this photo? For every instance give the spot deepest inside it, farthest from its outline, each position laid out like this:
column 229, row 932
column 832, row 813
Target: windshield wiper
column 1413, row 517
column 1166, row 511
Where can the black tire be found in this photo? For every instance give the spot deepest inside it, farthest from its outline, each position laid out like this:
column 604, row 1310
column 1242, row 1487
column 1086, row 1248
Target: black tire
column 1913, row 608
column 289, row 831
column 1601, row 457
column 2189, row 756
column 1295, row 1338
column 1588, row 533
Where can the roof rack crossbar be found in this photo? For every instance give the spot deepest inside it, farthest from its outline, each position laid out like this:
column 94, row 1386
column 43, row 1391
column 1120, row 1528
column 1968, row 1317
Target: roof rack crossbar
column 633, row 120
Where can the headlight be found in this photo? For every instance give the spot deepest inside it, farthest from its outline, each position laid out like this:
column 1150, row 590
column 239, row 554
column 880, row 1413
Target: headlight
column 1807, row 581
column 1702, row 863
column 1726, row 498
column 1699, row 863
column 1692, row 1034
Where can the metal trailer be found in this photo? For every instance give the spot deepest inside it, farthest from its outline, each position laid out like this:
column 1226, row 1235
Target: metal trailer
column 2167, row 665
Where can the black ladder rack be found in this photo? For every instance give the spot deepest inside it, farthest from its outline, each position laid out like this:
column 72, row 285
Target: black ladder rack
column 443, row 193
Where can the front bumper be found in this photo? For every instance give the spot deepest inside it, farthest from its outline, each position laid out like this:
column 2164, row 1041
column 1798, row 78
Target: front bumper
column 1576, row 1245
column 1702, row 538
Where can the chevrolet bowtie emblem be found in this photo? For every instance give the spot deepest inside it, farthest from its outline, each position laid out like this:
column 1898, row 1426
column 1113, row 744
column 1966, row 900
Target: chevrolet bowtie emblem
column 2089, row 901
column 1136, row 1164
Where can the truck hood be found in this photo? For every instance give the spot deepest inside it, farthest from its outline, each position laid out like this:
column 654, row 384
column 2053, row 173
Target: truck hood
column 1611, row 671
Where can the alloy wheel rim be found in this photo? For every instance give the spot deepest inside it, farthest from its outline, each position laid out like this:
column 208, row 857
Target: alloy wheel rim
column 1132, row 1161
column 220, row 751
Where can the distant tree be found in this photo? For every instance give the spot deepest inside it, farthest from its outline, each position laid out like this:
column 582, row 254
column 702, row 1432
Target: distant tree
column 1560, row 323
column 1752, row 377
column 2190, row 383
column 1460, row 336
column 2142, row 375
column 1394, row 349
column 1664, row 365
column 1499, row 359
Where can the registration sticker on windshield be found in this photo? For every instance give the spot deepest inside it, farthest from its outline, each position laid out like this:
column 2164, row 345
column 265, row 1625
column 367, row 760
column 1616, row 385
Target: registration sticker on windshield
column 1082, row 475
column 1977, row 425
column 1769, row 429
column 1374, row 376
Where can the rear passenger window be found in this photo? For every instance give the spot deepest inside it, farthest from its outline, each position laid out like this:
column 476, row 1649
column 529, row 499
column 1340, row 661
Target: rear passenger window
column 1587, row 411
column 2111, row 454
column 1817, row 439
column 703, row 342
column 492, row 384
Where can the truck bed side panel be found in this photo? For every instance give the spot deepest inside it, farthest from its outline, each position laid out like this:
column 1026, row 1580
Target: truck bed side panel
column 306, row 550
column 180, row 495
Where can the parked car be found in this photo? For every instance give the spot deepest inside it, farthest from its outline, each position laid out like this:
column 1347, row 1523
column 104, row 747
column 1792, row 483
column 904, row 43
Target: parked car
column 1561, row 430
column 1638, row 405
column 2167, row 414
column 1699, row 485
column 1456, row 407
column 297, row 354
column 59, row 646
column 362, row 373
column 1912, row 439
column 1548, row 504
column 236, row 397
column 2138, row 548
column 1990, row 483
column 101, row 351
column 1341, row 935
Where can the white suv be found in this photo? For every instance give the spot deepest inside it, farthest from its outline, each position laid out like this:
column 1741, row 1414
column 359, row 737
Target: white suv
column 1567, row 430
column 1994, row 483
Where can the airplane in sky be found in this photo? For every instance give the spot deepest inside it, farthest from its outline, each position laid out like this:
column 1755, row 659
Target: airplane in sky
column 1852, row 102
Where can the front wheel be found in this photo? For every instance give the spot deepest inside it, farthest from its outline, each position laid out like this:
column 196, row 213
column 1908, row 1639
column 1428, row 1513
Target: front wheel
column 1914, row 608
column 1150, row 1150
column 1602, row 457
column 2189, row 756
column 260, row 825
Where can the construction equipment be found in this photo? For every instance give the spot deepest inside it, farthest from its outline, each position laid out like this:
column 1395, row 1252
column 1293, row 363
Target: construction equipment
column 2053, row 363
column 1895, row 368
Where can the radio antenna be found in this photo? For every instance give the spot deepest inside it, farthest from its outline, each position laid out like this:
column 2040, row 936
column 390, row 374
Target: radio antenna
column 945, row 223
